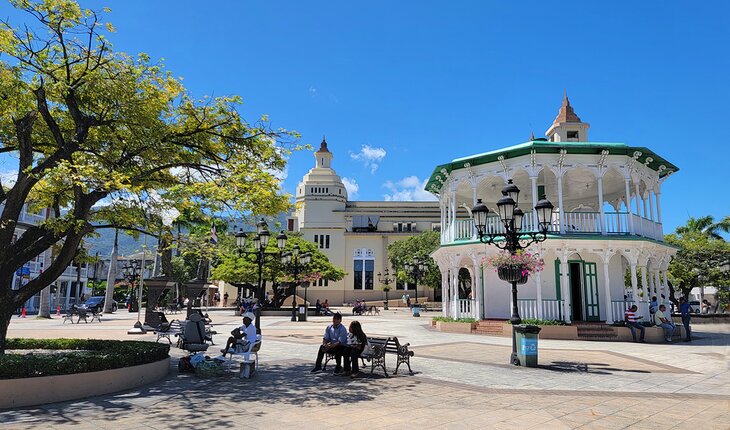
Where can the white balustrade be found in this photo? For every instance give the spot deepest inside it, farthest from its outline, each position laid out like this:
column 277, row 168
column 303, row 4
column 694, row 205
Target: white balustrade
column 616, row 222
column 552, row 309
column 582, row 222
column 618, row 307
column 527, row 308
column 465, row 308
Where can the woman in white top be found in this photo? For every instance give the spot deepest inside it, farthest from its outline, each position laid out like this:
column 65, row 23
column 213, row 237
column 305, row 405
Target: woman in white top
column 356, row 340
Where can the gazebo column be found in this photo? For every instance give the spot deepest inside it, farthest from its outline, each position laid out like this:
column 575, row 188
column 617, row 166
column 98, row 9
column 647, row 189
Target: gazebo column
column 476, row 294
column 651, row 206
column 658, row 207
column 455, row 293
column 638, row 197
column 645, row 288
column 628, row 206
column 634, row 284
column 645, row 202
column 560, row 203
column 538, row 290
column 607, row 287
column 564, row 291
column 444, row 292
column 535, row 197
column 602, row 220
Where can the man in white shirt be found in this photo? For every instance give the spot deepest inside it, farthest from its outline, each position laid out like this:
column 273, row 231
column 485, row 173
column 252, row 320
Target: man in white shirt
column 244, row 335
column 660, row 319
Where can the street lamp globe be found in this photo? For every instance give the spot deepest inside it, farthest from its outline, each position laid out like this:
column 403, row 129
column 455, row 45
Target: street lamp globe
column 306, row 258
column 506, row 207
column 240, row 239
column 295, row 250
column 517, row 215
column 257, row 242
column 480, row 212
column 421, row 266
column 281, row 240
column 264, row 236
column 544, row 211
column 260, row 226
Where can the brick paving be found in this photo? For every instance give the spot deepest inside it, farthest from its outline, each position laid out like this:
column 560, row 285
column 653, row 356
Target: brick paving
column 460, row 381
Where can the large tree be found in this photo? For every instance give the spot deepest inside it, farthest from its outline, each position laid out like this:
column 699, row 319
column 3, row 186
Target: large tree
column 414, row 248
column 698, row 262
column 705, row 225
column 103, row 138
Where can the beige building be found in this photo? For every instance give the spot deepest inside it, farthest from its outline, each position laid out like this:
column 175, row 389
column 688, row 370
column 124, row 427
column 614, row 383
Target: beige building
column 355, row 235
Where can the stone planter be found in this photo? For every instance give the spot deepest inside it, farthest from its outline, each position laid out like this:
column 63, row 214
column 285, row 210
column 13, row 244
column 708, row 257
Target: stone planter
column 59, row 388
column 455, row 327
column 564, row 332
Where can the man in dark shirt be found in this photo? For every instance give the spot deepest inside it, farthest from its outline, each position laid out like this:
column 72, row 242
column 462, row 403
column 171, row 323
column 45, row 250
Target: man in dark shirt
column 684, row 310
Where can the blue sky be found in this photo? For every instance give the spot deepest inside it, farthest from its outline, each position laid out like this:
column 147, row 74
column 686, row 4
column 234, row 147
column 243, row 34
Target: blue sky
column 399, row 87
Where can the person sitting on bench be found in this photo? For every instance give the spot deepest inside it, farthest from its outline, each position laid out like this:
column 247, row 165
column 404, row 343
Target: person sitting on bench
column 335, row 342
column 244, row 335
column 357, row 341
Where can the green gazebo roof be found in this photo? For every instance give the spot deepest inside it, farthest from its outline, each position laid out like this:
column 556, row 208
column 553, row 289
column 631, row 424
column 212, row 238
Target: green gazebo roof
column 546, row 147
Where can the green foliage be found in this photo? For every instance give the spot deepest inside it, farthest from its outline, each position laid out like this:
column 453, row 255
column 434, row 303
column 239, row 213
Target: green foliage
column 706, row 226
column 698, row 262
column 111, row 140
column 238, row 269
column 535, row 321
column 457, row 320
column 77, row 356
column 416, row 247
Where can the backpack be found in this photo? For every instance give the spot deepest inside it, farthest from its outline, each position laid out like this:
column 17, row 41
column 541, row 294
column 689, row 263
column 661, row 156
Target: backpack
column 184, row 365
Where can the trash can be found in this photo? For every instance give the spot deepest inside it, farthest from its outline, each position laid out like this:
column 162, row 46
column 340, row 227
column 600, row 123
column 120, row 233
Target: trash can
column 526, row 342
column 302, row 313
column 416, row 310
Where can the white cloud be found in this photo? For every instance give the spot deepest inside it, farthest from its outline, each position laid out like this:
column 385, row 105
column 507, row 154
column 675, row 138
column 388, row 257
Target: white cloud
column 407, row 189
column 370, row 157
column 352, row 187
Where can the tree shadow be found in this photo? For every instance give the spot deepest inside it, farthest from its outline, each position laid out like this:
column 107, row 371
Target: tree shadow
column 181, row 398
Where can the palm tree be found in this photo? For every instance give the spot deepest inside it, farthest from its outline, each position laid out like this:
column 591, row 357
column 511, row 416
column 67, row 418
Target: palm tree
column 705, row 225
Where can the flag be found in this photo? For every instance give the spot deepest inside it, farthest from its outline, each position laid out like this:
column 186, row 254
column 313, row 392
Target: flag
column 213, row 235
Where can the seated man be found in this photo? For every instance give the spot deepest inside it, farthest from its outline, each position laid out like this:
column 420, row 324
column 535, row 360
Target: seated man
column 660, row 319
column 243, row 336
column 334, row 341
column 632, row 322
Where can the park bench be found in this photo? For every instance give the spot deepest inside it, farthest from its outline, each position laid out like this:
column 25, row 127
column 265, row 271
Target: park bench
column 173, row 328
column 380, row 347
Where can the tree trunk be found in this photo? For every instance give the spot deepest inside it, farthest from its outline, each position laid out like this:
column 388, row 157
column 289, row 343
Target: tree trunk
column 6, row 314
column 44, row 309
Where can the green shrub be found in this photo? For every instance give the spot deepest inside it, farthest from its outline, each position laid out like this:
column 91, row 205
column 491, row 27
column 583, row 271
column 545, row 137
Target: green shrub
column 78, row 356
column 459, row 320
column 535, row 321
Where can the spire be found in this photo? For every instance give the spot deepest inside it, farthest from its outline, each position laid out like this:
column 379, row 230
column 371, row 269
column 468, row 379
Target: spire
column 323, row 145
column 532, row 136
column 566, row 112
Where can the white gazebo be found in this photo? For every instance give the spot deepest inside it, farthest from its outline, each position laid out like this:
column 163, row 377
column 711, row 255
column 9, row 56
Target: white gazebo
column 606, row 226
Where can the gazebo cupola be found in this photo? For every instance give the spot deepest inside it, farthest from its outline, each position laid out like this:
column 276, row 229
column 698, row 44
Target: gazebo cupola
column 567, row 127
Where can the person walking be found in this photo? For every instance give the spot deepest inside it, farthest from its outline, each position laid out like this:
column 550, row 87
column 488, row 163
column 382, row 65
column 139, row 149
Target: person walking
column 225, row 299
column 686, row 316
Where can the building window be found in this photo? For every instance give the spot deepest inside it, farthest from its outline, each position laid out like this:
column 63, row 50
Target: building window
column 322, row 282
column 322, row 241
column 327, row 241
column 573, row 135
column 364, row 269
column 436, row 226
column 316, row 239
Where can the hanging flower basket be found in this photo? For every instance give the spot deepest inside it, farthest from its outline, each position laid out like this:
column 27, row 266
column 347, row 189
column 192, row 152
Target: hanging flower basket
column 514, row 268
column 512, row 274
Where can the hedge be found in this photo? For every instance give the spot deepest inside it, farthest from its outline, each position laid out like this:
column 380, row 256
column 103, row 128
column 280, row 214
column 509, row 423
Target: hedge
column 459, row 320
column 78, row 356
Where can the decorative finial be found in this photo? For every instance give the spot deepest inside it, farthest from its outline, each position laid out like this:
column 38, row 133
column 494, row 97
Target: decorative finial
column 323, row 146
column 532, row 135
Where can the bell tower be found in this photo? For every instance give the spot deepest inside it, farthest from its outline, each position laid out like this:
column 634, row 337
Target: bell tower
column 567, row 127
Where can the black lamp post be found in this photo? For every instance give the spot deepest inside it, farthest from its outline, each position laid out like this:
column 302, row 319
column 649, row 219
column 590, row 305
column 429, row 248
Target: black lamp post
column 260, row 242
column 131, row 275
column 386, row 280
column 513, row 239
column 294, row 262
column 417, row 270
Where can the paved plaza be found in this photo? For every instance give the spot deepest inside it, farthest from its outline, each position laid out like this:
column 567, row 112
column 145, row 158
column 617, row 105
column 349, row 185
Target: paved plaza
column 460, row 381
